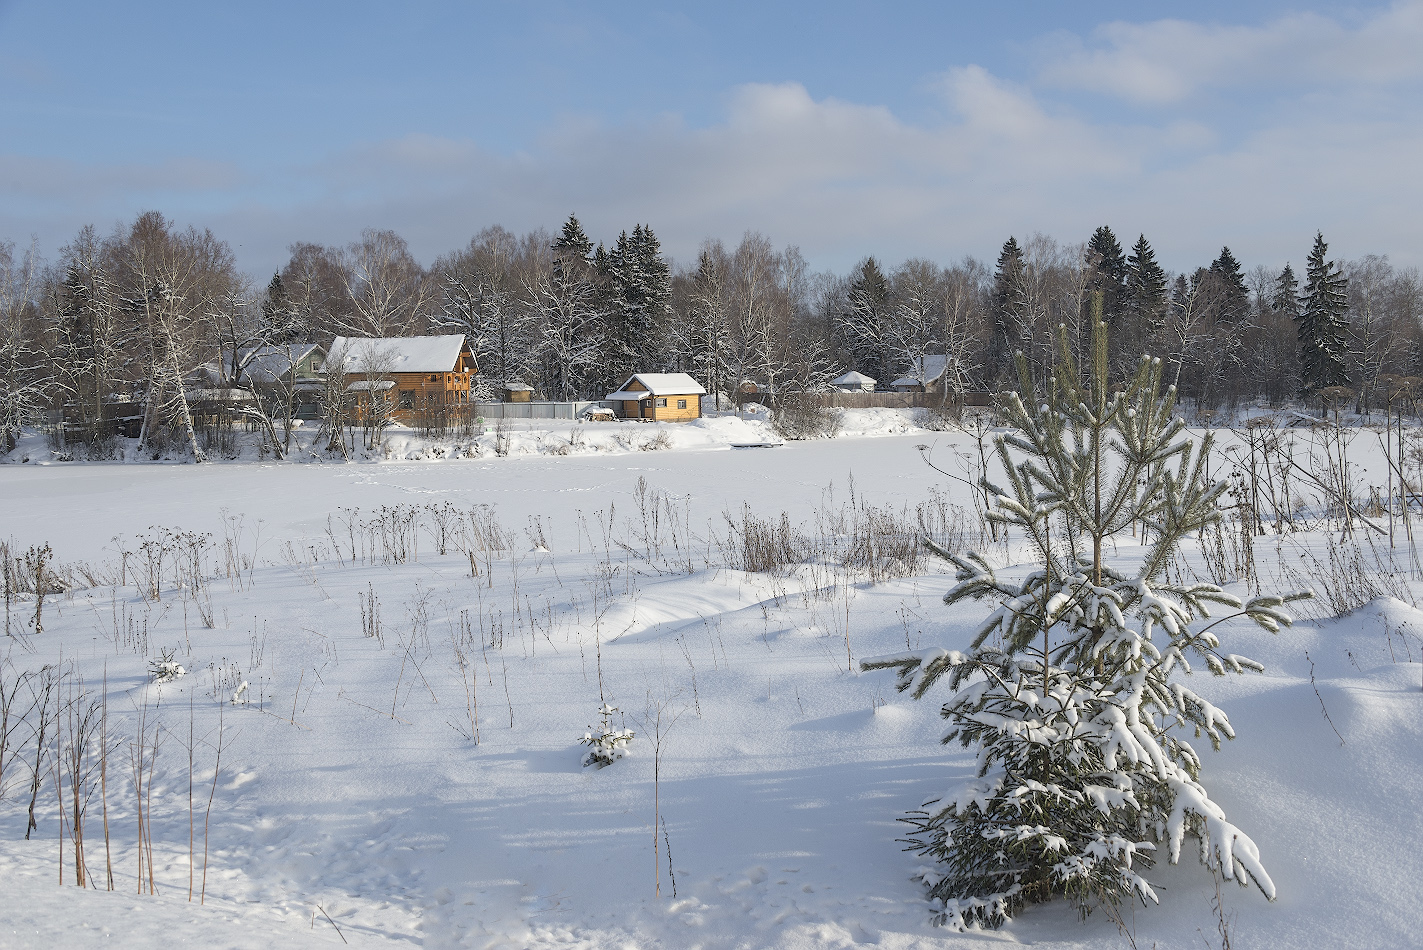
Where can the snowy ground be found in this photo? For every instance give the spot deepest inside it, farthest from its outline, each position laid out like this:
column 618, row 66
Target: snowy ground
column 351, row 788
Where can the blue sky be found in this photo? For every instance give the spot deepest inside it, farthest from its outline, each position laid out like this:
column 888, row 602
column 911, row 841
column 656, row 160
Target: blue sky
column 929, row 129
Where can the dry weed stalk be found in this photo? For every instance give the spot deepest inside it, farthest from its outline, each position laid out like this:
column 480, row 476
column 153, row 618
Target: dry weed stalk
column 212, row 793
column 658, row 719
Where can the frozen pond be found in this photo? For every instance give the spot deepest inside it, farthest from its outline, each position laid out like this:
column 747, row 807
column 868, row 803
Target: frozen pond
column 78, row 508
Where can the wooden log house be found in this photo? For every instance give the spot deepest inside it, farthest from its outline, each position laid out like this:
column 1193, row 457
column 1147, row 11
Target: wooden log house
column 403, row 376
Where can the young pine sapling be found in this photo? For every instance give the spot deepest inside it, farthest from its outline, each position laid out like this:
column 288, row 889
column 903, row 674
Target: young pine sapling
column 606, row 744
column 1071, row 690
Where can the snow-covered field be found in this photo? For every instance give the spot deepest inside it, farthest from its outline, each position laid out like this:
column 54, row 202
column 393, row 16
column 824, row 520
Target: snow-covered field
column 352, row 792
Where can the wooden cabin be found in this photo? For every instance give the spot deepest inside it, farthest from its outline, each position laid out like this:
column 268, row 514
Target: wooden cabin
column 659, row 397
column 409, row 375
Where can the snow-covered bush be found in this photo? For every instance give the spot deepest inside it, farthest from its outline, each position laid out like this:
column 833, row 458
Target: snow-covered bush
column 605, row 744
column 1072, row 690
column 797, row 418
column 165, row 669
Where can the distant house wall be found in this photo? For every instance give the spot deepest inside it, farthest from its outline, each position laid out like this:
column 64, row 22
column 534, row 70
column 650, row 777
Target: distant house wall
column 673, row 408
column 417, row 393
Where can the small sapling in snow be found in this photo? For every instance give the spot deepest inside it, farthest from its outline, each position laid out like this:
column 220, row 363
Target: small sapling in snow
column 1073, row 689
column 165, row 669
column 605, row 744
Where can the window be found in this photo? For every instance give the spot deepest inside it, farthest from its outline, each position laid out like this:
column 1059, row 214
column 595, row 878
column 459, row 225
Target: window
column 434, row 378
column 681, row 404
column 662, row 404
column 407, row 399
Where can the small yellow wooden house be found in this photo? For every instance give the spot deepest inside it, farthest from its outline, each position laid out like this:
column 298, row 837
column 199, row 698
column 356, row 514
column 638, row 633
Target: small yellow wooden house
column 408, row 374
column 659, row 397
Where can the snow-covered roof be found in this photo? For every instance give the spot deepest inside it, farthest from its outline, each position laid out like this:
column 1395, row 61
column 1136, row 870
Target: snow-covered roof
column 268, row 364
column 852, row 378
column 924, row 371
column 518, row 387
column 658, row 384
column 400, row 354
column 366, row 385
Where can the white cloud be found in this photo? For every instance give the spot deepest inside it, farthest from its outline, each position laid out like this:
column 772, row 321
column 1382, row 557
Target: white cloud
column 841, row 179
column 29, row 178
column 1168, row 61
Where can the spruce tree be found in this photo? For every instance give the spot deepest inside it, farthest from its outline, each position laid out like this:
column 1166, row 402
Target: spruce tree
column 1146, row 286
column 1285, row 298
column 656, row 277
column 623, row 352
column 1322, row 325
column 1009, row 311
column 1073, row 688
column 570, row 345
column 282, row 320
column 1106, row 272
column 865, row 323
column 1232, row 296
column 639, row 286
column 571, row 249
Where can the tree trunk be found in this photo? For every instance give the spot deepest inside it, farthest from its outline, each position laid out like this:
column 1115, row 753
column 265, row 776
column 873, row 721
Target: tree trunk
column 184, row 415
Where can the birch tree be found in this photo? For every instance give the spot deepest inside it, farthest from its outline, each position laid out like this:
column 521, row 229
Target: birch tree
column 387, row 287
column 25, row 387
column 170, row 281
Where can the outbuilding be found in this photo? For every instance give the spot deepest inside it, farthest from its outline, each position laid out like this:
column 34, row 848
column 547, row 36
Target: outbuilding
column 659, row 397
column 926, row 375
column 854, row 382
column 517, row 392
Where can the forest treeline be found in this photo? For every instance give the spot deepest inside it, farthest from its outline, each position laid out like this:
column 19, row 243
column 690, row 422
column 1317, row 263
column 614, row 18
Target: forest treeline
column 138, row 310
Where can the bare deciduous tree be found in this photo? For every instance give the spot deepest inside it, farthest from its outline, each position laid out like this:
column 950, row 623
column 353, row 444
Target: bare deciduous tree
column 387, row 287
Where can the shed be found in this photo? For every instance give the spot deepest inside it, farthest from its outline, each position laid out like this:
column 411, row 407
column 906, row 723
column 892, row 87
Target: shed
column 517, row 392
column 660, row 397
column 853, row 382
column 926, row 375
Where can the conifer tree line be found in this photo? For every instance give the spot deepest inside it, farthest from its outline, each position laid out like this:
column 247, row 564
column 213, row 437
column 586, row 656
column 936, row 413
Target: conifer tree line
column 134, row 312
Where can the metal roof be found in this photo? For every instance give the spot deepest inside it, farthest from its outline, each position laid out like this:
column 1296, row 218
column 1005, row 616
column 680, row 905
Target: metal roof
column 923, row 373
column 399, row 354
column 658, row 384
column 268, row 364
